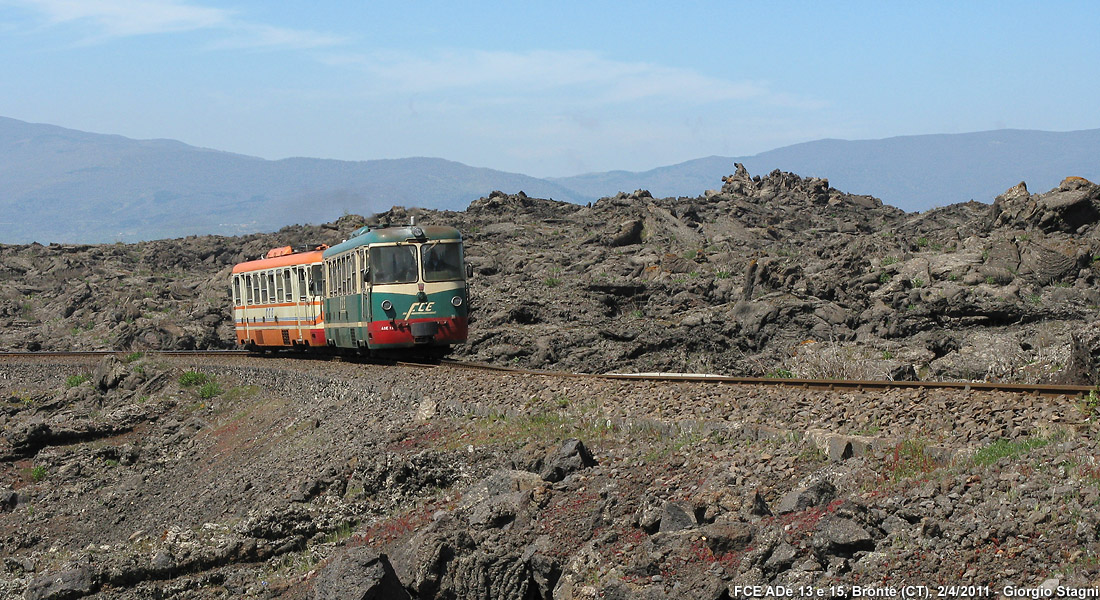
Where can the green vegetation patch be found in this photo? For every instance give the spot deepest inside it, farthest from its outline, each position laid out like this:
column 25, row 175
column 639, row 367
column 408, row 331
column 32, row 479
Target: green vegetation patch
column 209, row 390
column 192, row 378
column 38, row 473
column 74, row 380
column 1006, row 448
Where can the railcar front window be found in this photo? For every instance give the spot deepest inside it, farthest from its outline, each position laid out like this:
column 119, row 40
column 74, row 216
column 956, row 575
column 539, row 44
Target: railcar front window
column 393, row 264
column 442, row 261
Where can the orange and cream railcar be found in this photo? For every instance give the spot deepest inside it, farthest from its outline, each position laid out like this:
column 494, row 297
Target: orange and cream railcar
column 277, row 299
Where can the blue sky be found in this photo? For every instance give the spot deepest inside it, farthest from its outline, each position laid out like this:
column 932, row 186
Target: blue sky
column 546, row 89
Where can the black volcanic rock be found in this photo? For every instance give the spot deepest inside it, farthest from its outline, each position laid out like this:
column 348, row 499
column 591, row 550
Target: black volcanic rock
column 772, row 274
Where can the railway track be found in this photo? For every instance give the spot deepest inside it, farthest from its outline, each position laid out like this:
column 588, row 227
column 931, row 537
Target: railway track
column 829, row 384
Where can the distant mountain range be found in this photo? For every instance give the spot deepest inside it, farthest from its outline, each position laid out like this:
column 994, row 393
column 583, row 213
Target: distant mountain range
column 62, row 185
column 914, row 173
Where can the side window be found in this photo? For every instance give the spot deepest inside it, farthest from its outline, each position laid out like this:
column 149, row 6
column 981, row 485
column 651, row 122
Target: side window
column 288, row 286
column 278, row 296
column 340, row 276
column 236, row 290
column 253, row 288
column 349, row 268
column 270, row 287
column 302, row 287
column 337, row 282
column 316, row 279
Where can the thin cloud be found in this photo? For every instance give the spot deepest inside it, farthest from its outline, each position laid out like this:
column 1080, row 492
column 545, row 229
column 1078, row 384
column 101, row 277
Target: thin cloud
column 131, row 17
column 125, row 18
column 521, row 75
column 266, row 36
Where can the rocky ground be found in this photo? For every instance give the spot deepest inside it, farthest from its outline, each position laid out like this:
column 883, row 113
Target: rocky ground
column 141, row 476
column 153, row 477
column 769, row 275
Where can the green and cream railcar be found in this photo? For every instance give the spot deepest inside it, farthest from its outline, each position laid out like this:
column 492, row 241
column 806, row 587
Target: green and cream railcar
column 396, row 288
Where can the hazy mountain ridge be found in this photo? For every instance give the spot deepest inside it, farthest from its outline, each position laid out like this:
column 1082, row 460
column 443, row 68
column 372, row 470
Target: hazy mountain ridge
column 63, row 185
column 914, row 173
column 66, row 185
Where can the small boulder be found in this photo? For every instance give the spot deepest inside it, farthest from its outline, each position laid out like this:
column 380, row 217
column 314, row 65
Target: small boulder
column 359, row 574
column 839, row 535
column 64, row 585
column 570, row 457
column 817, row 494
column 676, row 516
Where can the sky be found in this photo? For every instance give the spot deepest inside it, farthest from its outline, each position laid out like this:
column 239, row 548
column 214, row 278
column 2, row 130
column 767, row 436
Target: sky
column 545, row 88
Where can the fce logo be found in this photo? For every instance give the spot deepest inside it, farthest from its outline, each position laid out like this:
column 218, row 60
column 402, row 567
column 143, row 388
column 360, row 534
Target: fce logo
column 420, row 308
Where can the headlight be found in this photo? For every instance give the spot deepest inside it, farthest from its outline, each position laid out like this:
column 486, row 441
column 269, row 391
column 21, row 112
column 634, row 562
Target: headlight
column 456, row 301
column 387, row 305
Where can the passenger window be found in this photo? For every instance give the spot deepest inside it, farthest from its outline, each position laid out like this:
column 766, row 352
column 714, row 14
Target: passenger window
column 288, row 291
column 302, row 284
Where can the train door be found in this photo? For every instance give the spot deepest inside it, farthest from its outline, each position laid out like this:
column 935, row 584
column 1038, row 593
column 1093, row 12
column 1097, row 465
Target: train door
column 316, row 286
column 301, row 303
column 246, row 303
column 363, row 280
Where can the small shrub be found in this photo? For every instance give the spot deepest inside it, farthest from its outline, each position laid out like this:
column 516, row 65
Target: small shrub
column 910, row 458
column 917, row 282
column 38, row 473
column 780, row 374
column 191, row 378
column 889, row 260
column 133, row 356
column 552, row 282
column 723, row 275
column 342, row 532
column 75, row 380
column 922, row 242
column 209, row 390
column 1092, row 402
column 885, row 278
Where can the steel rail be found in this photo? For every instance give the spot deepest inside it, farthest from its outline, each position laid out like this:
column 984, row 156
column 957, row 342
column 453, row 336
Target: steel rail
column 830, row 384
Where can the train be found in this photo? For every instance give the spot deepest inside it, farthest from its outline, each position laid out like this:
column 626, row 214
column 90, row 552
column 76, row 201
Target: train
column 384, row 291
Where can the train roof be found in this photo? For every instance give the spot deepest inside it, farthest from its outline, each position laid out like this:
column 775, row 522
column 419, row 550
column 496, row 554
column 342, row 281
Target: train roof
column 286, row 260
column 388, row 235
